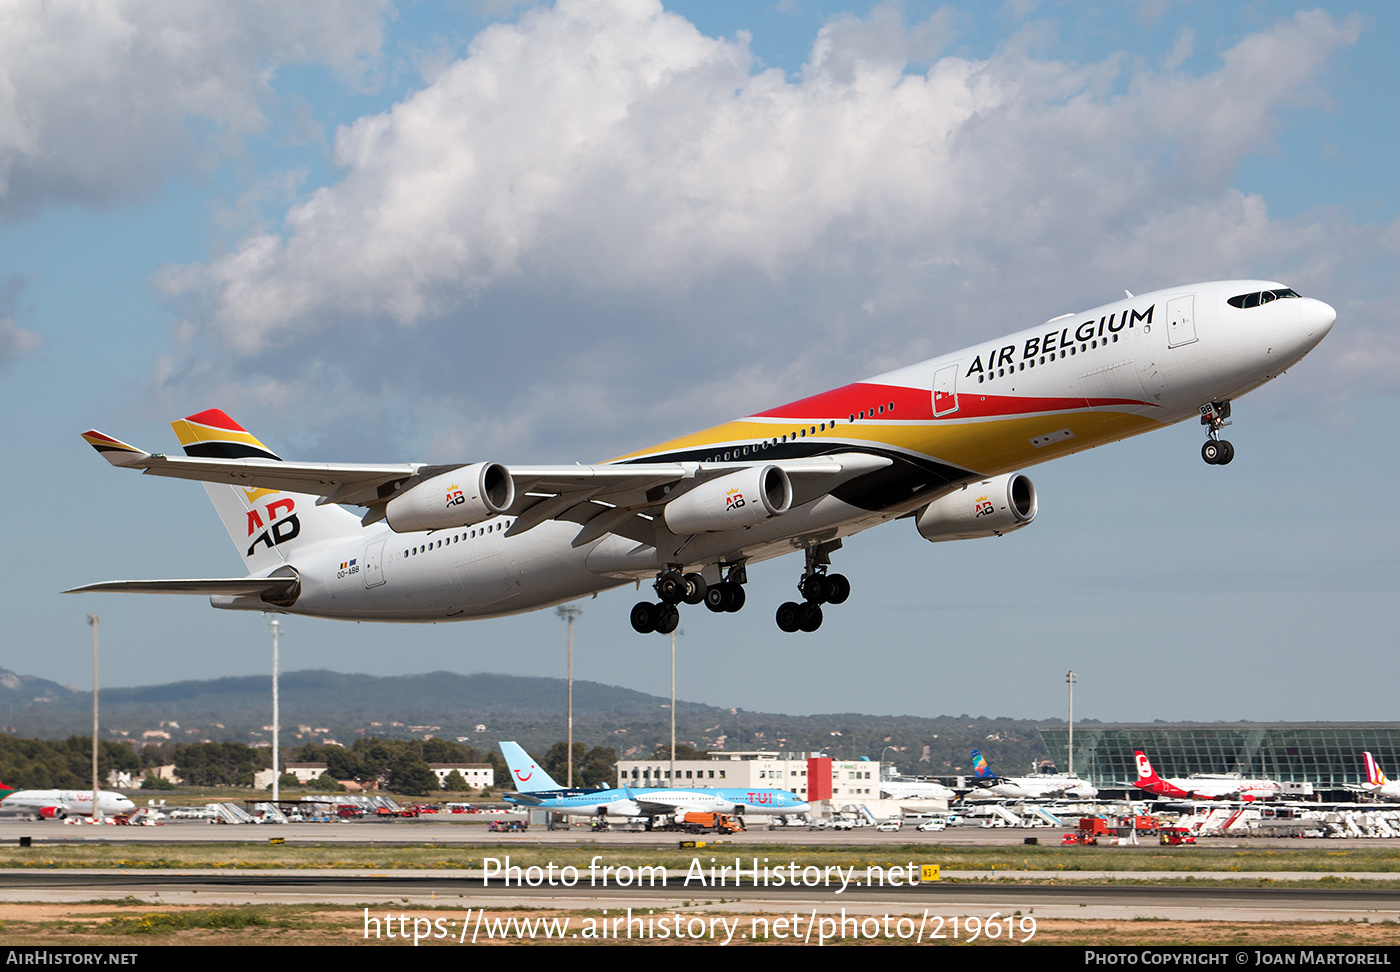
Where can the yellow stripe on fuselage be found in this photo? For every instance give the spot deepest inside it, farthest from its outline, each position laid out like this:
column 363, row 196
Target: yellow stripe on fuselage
column 989, row 446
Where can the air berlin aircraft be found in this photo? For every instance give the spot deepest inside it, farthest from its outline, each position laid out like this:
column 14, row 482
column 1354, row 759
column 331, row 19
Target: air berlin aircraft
column 940, row 442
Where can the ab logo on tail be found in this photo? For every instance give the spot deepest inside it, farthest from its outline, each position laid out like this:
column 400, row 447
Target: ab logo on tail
column 281, row 530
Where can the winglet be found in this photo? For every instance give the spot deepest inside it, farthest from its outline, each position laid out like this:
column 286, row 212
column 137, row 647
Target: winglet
column 115, row 451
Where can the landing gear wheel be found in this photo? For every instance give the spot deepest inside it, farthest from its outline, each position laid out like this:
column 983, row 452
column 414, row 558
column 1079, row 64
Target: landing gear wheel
column 1211, row 452
column 838, row 588
column 695, row 589
column 668, row 618
column 813, row 588
column 725, row 596
column 671, row 588
column 737, row 597
column 717, row 597
column 644, row 617
column 1227, row 453
column 789, row 616
column 812, row 617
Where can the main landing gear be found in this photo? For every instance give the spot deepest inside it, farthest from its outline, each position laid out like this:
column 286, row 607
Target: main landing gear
column 674, row 587
column 1215, row 416
column 817, row 587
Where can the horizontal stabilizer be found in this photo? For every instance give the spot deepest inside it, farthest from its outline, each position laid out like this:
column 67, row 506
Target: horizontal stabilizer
column 115, row 451
column 233, row 586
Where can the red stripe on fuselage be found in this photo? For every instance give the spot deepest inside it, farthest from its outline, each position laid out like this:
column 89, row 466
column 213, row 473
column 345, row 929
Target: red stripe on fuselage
column 916, row 404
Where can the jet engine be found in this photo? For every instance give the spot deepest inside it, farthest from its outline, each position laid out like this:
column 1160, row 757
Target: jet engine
column 459, row 497
column 986, row 509
column 740, row 499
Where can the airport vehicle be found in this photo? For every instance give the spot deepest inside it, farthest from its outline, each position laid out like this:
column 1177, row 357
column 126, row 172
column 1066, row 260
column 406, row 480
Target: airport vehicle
column 915, row 790
column 941, row 442
column 1038, row 786
column 58, row 804
column 707, row 823
column 536, row 788
column 1376, row 783
column 1203, row 787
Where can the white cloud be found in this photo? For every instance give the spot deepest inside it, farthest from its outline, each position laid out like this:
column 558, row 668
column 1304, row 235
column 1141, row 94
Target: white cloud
column 613, row 144
column 95, row 95
column 600, row 189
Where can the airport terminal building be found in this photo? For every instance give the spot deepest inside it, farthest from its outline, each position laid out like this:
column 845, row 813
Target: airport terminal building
column 1325, row 754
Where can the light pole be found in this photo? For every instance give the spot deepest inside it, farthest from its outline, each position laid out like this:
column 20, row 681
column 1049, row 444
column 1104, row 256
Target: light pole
column 568, row 612
column 276, row 715
column 92, row 620
column 1070, row 679
column 673, row 705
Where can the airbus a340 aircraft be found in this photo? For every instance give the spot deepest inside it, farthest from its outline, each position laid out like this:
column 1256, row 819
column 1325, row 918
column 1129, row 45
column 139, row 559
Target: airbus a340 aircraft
column 939, row 442
column 536, row 788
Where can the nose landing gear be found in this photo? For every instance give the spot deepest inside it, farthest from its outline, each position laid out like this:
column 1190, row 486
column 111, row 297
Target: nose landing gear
column 1215, row 416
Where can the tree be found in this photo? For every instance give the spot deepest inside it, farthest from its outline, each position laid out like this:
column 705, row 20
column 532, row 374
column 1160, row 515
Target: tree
column 412, row 776
column 455, row 782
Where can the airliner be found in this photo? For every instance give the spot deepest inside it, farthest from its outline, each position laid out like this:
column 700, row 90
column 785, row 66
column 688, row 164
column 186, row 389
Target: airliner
column 1041, row 786
column 1376, row 783
column 58, row 804
column 915, row 790
column 1206, row 786
column 536, row 788
column 941, row 443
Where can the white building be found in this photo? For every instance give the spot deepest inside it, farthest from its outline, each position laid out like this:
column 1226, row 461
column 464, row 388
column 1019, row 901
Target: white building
column 479, row 776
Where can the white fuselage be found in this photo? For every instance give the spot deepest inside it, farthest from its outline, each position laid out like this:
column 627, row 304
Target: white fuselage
column 62, row 803
column 1070, row 384
column 1049, row 787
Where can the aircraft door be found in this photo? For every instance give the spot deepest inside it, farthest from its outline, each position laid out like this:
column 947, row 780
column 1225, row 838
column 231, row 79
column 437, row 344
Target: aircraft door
column 945, row 390
column 1181, row 320
column 374, row 564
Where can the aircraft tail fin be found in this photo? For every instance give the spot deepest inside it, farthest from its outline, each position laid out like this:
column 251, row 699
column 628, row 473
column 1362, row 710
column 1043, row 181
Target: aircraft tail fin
column 1145, row 772
column 266, row 525
column 980, row 767
column 526, row 775
column 1374, row 775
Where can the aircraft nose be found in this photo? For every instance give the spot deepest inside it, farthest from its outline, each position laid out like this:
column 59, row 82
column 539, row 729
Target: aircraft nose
column 1318, row 319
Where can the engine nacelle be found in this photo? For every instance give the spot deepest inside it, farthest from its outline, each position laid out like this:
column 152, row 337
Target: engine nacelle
column 740, row 499
column 986, row 509
column 460, row 497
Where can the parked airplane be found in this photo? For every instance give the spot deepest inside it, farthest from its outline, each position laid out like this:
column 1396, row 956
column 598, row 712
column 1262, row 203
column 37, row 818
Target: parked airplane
column 901, row 789
column 1376, row 784
column 58, row 804
column 1207, row 786
column 536, row 788
column 939, row 442
column 1040, row 786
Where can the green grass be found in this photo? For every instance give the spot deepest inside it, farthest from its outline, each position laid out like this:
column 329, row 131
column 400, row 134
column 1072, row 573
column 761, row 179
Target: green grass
column 1010, row 860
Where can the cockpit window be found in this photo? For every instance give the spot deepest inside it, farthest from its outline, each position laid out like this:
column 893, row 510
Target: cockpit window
column 1262, row 297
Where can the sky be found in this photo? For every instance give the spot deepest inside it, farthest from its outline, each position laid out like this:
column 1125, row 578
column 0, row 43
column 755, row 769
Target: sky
column 460, row 231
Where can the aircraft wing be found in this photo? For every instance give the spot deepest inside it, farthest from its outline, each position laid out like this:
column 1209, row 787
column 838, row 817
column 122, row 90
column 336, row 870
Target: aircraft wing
column 235, row 586
column 604, row 497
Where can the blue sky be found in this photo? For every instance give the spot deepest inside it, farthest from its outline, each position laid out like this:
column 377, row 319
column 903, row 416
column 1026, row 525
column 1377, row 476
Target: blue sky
column 453, row 231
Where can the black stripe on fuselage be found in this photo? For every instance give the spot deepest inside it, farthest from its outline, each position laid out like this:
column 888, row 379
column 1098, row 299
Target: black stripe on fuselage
column 895, row 485
column 227, row 450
